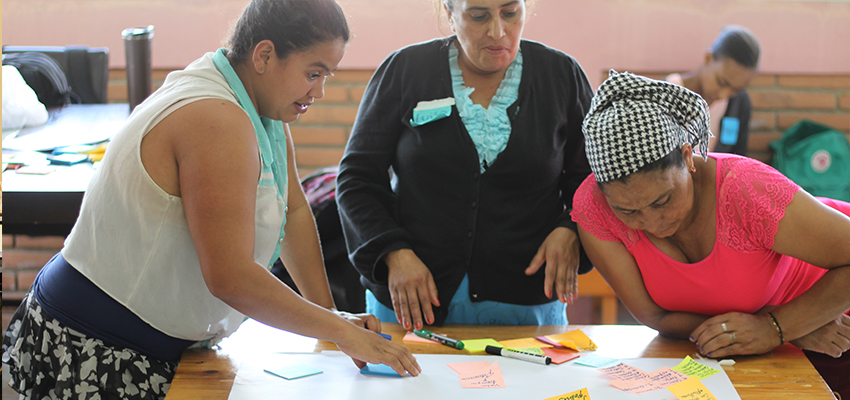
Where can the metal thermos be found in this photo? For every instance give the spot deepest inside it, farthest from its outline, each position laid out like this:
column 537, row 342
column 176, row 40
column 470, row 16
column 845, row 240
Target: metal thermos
column 137, row 49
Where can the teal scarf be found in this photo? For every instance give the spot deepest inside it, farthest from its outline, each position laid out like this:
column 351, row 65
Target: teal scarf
column 270, row 136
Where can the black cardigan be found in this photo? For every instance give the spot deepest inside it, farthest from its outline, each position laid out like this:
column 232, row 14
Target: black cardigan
column 456, row 219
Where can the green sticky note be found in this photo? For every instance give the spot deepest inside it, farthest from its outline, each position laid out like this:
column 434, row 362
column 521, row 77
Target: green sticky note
column 478, row 345
column 692, row 368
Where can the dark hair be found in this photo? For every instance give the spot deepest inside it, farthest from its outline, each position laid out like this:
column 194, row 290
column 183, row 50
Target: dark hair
column 737, row 43
column 674, row 158
column 292, row 25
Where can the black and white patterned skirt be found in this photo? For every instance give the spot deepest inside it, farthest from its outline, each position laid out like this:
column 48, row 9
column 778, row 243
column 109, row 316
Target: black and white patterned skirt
column 48, row 360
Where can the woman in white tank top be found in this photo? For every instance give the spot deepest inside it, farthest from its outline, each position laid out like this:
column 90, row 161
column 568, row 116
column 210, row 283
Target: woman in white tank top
column 191, row 205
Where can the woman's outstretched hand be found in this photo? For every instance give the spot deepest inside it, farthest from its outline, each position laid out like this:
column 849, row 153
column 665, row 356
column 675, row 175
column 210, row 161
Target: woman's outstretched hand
column 365, row 346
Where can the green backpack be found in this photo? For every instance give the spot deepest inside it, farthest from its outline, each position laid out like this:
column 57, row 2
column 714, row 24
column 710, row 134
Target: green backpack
column 816, row 157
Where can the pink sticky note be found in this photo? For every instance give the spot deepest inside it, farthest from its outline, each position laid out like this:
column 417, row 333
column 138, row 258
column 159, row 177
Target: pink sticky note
column 625, row 372
column 638, row 386
column 665, row 377
column 466, row 367
column 551, row 342
column 487, row 377
column 411, row 337
column 559, row 356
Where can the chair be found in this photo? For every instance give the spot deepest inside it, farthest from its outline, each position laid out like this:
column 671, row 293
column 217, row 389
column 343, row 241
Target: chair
column 87, row 69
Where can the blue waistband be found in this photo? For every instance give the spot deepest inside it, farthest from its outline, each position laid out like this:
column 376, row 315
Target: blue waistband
column 72, row 299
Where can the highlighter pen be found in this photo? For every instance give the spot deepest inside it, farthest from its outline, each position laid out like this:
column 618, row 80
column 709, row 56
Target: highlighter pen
column 519, row 355
column 439, row 338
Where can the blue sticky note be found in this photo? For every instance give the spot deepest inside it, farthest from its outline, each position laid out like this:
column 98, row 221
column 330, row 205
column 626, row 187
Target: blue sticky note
column 379, row 369
column 729, row 128
column 594, row 361
column 293, row 371
column 386, row 336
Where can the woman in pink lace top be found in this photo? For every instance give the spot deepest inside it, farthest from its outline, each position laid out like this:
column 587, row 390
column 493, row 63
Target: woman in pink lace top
column 720, row 249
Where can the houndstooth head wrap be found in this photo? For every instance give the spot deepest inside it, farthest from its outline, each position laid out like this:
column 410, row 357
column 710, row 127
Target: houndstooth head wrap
column 634, row 121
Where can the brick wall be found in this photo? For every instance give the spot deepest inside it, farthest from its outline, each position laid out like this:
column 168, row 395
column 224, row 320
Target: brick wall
column 779, row 100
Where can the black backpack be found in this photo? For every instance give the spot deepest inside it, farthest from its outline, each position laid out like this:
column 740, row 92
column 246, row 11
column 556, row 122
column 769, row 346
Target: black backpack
column 44, row 75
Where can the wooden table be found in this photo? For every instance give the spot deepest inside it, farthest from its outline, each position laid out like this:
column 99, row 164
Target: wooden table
column 784, row 373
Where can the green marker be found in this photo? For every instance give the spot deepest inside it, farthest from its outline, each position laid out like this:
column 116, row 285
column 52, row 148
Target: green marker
column 457, row 344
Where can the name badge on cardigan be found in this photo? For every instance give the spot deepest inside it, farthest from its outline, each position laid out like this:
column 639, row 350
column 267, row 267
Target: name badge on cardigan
column 428, row 111
column 729, row 127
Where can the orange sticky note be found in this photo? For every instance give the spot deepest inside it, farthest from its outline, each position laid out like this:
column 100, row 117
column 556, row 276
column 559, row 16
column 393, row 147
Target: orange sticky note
column 578, row 338
column 484, row 378
column 580, row 394
column 525, row 343
column 691, row 389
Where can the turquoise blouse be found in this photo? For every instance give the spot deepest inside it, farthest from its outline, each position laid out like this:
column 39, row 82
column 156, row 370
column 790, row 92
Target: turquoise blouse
column 489, row 128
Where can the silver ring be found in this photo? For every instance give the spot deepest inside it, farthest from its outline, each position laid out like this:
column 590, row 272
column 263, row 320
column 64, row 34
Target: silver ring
column 723, row 326
column 732, row 337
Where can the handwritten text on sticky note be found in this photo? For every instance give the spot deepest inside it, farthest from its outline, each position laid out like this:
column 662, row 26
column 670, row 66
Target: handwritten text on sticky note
column 580, row 394
column 691, row 389
column 487, row 377
column 690, row 367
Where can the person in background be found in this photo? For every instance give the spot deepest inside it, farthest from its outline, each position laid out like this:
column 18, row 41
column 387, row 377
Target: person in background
column 180, row 222
column 727, row 68
column 720, row 249
column 482, row 133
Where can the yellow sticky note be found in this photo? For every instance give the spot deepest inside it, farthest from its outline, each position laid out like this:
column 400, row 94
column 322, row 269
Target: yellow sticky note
column 580, row 394
column 525, row 343
column 478, row 345
column 579, row 339
column 691, row 389
column 693, row 368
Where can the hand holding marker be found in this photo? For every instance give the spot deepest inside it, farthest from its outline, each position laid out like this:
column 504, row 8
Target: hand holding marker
column 457, row 344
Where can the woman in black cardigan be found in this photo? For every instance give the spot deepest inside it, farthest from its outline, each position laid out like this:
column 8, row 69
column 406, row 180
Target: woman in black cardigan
column 456, row 182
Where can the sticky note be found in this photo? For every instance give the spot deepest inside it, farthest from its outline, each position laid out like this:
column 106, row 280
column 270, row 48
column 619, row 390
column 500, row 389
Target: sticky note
column 411, row 337
column 478, row 345
column 386, row 336
column 690, row 367
column 551, row 342
column 691, row 389
column 665, row 377
column 484, row 378
column 379, row 370
column 580, row 394
column 525, row 343
column 625, row 372
column 292, row 371
column 581, row 341
column 594, row 361
column 427, row 111
column 466, row 367
column 638, row 386
column 560, row 356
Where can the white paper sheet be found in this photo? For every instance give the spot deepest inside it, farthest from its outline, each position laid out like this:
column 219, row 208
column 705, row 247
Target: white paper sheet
column 523, row 380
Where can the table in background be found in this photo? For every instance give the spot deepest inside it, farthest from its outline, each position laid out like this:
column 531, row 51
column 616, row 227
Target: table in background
column 785, row 373
column 49, row 204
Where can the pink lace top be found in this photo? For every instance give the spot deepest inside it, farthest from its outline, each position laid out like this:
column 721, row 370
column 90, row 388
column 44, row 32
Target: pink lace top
column 741, row 273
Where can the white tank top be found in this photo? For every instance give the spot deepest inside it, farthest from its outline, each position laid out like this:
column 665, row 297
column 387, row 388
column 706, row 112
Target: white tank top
column 132, row 239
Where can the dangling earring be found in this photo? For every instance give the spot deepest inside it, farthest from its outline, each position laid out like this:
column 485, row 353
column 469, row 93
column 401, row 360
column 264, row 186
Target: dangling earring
column 693, row 169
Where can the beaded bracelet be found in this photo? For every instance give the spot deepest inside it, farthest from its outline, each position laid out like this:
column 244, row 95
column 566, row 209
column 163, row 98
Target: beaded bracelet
column 778, row 329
